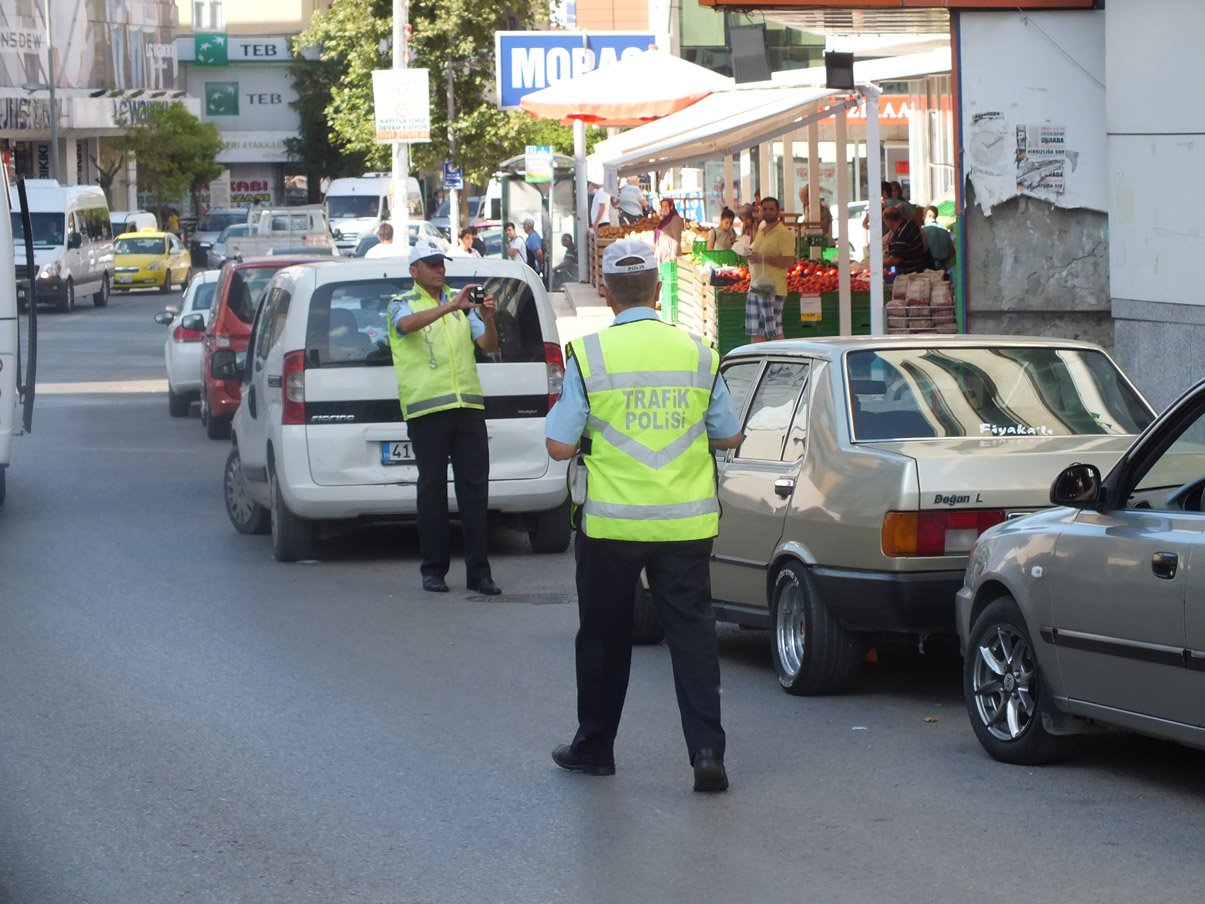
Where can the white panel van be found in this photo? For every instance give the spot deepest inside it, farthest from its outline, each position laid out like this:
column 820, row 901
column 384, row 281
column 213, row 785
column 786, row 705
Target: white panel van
column 356, row 206
column 73, row 243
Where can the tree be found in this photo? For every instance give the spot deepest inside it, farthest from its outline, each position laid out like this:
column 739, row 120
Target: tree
column 352, row 36
column 315, row 150
column 175, row 153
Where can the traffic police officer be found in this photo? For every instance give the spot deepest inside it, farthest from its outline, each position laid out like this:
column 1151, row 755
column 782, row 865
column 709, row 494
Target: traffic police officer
column 432, row 335
column 645, row 401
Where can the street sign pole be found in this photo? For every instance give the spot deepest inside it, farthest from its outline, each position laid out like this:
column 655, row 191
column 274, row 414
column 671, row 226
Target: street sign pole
column 401, row 149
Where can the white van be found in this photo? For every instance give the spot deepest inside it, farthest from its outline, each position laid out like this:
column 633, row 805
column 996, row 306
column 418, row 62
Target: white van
column 132, row 221
column 356, row 206
column 319, row 434
column 12, row 410
column 73, row 243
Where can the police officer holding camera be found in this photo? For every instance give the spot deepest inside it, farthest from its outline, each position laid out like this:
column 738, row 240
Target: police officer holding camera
column 432, row 334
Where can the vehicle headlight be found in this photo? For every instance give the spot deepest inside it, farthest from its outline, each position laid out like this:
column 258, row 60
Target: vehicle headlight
column 51, row 271
column 155, row 265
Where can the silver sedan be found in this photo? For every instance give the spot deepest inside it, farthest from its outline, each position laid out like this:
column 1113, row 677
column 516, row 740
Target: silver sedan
column 1092, row 613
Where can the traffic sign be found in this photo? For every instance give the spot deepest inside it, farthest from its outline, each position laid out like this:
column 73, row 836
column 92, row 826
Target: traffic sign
column 453, row 177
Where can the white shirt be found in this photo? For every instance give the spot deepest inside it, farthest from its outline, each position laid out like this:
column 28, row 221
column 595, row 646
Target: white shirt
column 518, row 249
column 387, row 249
column 599, row 208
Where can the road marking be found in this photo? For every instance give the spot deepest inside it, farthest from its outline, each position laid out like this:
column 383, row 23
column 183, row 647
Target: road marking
column 109, row 387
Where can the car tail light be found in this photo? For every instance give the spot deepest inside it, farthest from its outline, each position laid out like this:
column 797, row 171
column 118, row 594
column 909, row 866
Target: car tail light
column 554, row 361
column 936, row 533
column 221, row 335
column 292, row 410
column 179, row 334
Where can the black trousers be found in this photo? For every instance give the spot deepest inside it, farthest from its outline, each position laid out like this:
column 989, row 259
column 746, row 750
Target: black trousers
column 608, row 573
column 457, row 435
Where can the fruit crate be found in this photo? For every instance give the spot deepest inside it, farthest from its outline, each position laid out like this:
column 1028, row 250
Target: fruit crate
column 730, row 318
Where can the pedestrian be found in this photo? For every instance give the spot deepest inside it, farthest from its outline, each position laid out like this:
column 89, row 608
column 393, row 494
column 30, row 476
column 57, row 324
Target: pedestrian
column 722, row 237
column 464, row 247
column 642, row 509
column 566, row 270
column 668, row 233
column 478, row 243
column 599, row 206
column 904, row 246
column 941, row 245
column 385, row 246
column 173, row 222
column 772, row 255
column 515, row 246
column 633, row 205
column 432, row 334
column 748, row 229
column 535, row 246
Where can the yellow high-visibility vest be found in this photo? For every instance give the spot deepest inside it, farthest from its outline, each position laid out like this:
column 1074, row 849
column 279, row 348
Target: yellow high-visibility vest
column 651, row 472
column 435, row 366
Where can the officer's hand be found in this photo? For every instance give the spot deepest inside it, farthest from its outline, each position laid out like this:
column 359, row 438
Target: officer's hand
column 488, row 308
column 464, row 301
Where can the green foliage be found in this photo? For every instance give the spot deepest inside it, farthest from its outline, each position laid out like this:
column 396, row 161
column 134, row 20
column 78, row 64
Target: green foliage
column 175, row 152
column 449, row 35
column 314, row 150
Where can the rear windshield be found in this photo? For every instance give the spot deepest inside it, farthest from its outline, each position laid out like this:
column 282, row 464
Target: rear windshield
column 216, row 222
column 349, row 327
column 247, row 288
column 202, row 299
column 989, row 392
column 141, row 246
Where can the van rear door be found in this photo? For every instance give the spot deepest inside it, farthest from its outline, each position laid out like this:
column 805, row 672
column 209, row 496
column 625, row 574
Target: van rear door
column 354, row 428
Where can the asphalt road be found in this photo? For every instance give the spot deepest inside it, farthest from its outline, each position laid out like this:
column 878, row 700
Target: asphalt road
column 184, row 719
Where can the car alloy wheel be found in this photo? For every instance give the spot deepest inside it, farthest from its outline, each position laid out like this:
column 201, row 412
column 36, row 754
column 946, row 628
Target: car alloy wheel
column 1004, row 683
column 247, row 516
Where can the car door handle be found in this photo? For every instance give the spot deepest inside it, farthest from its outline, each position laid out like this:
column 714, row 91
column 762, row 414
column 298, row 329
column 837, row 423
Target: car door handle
column 1164, row 564
column 784, row 486
column 274, row 381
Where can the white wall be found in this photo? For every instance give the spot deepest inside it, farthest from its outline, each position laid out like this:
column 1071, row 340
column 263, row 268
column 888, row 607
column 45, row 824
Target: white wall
column 1155, row 121
column 1030, row 70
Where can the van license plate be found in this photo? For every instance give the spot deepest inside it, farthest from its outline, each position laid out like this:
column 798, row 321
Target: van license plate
column 396, row 453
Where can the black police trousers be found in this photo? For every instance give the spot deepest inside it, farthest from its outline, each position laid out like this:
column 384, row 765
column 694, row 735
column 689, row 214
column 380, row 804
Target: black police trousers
column 608, row 575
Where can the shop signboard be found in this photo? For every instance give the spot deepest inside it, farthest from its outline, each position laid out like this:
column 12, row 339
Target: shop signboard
column 537, row 164
column 527, row 61
column 402, row 105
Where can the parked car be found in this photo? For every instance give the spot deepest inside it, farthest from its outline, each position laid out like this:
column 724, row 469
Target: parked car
column 442, row 217
column 182, row 350
column 1093, row 613
column 208, row 228
column 868, row 469
column 150, row 260
column 319, row 436
column 216, row 256
column 240, row 289
column 417, row 228
column 283, row 227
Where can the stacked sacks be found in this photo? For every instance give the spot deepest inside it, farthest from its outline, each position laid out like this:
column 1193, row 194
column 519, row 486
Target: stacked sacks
column 921, row 302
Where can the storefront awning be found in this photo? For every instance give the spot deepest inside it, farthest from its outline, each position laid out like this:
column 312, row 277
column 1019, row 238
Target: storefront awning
column 723, row 123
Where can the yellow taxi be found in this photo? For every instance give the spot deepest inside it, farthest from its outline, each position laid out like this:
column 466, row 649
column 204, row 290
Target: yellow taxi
column 149, row 258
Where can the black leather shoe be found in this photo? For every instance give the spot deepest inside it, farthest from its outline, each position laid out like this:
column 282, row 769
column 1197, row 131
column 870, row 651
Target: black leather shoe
column 564, row 757
column 434, row 584
column 486, row 587
column 709, row 771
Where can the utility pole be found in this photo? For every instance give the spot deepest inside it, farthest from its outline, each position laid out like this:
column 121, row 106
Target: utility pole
column 401, row 149
column 453, row 194
column 54, row 107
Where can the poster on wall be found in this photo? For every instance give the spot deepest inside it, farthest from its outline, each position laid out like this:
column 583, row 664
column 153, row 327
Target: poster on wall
column 1041, row 158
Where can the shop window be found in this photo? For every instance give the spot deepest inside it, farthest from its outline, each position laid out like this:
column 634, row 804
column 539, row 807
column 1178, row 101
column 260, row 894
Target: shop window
column 208, row 15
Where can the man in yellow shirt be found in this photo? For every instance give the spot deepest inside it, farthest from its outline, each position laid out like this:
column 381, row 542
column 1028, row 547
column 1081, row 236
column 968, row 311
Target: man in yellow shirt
column 772, row 255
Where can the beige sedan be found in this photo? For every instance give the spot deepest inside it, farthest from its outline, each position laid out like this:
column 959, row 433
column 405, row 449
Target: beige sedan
column 871, row 465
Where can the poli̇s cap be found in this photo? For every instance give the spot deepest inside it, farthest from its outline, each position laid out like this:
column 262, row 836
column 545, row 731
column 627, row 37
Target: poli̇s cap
column 628, row 256
column 426, row 250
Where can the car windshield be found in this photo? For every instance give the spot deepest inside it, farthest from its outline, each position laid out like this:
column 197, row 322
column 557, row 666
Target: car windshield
column 343, row 207
column 47, row 228
column 986, row 392
column 348, row 322
column 148, row 245
column 216, row 222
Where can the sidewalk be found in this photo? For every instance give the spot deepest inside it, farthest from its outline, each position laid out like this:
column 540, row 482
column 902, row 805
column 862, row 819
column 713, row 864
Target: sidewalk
column 579, row 310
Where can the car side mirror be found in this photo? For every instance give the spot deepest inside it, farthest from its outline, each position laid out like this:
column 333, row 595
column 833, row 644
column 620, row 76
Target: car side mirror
column 194, row 322
column 1078, row 486
column 227, row 364
column 163, row 318
column 74, row 240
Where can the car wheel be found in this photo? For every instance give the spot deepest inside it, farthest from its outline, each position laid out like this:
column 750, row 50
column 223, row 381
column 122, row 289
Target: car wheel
column 101, row 298
column 187, row 278
column 215, row 427
column 67, row 305
column 177, row 405
column 646, row 627
column 813, row 653
column 1004, row 692
column 292, row 537
column 550, row 531
column 247, row 515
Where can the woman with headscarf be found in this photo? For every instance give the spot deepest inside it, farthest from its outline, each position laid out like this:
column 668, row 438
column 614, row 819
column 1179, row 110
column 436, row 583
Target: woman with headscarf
column 668, row 234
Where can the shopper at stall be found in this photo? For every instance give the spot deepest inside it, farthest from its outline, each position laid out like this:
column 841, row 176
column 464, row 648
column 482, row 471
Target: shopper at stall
column 600, row 206
column 722, row 237
column 772, row 255
column 903, row 246
column 668, row 234
column 631, row 200
column 941, row 246
column 826, row 215
column 748, row 228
